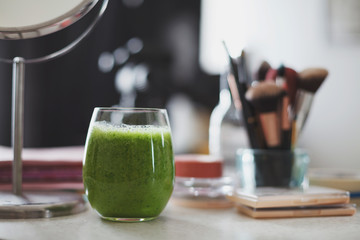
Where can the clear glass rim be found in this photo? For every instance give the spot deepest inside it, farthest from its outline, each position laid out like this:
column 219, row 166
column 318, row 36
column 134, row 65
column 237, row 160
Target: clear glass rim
column 128, row 220
column 128, row 109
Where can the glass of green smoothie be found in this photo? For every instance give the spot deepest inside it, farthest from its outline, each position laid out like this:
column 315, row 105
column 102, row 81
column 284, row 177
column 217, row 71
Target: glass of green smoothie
column 128, row 167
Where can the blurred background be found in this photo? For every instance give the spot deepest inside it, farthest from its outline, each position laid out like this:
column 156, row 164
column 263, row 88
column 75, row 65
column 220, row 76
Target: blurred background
column 142, row 53
column 168, row 54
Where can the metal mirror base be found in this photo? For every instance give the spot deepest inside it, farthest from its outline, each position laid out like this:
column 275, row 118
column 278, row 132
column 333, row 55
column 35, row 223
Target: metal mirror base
column 40, row 204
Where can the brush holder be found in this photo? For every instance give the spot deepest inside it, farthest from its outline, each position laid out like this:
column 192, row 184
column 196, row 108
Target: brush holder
column 271, row 168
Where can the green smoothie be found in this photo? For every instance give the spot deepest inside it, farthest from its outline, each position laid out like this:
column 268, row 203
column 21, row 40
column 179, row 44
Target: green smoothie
column 128, row 171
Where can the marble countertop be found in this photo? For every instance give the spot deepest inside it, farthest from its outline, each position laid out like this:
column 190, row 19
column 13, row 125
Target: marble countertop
column 183, row 223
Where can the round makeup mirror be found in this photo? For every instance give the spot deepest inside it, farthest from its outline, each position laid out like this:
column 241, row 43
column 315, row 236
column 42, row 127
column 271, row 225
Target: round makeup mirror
column 21, row 19
column 30, row 19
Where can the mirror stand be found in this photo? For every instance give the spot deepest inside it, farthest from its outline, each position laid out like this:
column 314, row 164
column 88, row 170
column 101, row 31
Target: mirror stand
column 20, row 204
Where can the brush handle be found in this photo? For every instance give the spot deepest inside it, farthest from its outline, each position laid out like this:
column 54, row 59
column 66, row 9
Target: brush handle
column 291, row 77
column 270, row 125
column 253, row 130
column 234, row 92
column 253, row 127
column 285, row 124
column 302, row 108
column 294, row 135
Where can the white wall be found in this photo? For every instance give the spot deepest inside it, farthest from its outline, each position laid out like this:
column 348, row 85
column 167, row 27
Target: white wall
column 295, row 32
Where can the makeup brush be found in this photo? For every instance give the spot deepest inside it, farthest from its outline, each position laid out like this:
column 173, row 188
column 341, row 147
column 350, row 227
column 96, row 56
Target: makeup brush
column 251, row 125
column 265, row 97
column 262, row 71
column 310, row 80
column 233, row 82
column 271, row 75
column 285, row 123
column 285, row 78
column 289, row 81
column 244, row 75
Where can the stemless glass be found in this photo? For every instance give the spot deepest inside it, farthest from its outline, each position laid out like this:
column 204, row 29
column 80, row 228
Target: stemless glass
column 128, row 167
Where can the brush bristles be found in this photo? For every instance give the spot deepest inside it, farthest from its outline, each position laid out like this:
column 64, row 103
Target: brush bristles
column 291, row 85
column 271, row 75
column 311, row 79
column 265, row 96
column 262, row 71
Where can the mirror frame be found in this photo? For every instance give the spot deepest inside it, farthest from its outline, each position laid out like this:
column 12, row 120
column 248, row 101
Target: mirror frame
column 47, row 27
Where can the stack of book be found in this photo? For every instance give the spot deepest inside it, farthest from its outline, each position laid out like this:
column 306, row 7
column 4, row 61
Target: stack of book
column 58, row 168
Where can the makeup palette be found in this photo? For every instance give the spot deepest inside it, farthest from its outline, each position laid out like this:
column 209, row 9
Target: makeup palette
column 314, row 201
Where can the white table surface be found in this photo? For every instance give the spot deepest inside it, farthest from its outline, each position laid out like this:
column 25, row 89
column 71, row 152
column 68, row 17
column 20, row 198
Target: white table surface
column 183, row 223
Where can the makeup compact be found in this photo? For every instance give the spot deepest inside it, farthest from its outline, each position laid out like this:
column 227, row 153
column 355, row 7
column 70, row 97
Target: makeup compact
column 345, row 179
column 309, row 211
column 314, row 201
column 199, row 182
